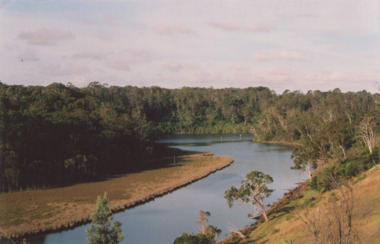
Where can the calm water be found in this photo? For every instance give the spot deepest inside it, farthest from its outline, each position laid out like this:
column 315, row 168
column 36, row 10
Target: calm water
column 162, row 220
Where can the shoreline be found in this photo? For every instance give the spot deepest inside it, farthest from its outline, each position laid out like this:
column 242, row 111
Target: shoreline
column 124, row 204
column 283, row 143
column 288, row 196
column 49, row 225
column 286, row 226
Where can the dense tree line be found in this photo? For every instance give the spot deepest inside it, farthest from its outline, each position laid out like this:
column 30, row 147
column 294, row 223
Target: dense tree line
column 337, row 132
column 58, row 135
column 61, row 134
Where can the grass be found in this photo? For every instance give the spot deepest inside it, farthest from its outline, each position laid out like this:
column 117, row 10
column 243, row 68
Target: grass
column 34, row 211
column 285, row 227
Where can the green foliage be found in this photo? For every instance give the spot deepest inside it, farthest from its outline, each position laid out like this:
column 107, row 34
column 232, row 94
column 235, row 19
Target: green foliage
column 101, row 231
column 314, row 184
column 186, row 238
column 360, row 162
column 253, row 189
column 71, row 135
column 321, row 181
column 212, row 233
column 309, row 202
column 360, row 177
column 255, row 182
column 67, row 135
column 208, row 238
column 208, row 234
column 350, row 167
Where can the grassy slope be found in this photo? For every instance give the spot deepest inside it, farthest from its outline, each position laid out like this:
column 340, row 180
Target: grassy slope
column 34, row 211
column 285, row 226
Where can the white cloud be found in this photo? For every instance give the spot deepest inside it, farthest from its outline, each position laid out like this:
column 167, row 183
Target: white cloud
column 281, row 44
column 230, row 27
column 173, row 29
column 119, row 64
column 282, row 55
column 45, row 36
column 178, row 66
column 260, row 28
column 111, row 18
column 60, row 70
column 173, row 66
column 224, row 26
column 104, row 37
column 89, row 55
column 28, row 55
column 237, row 67
column 130, row 58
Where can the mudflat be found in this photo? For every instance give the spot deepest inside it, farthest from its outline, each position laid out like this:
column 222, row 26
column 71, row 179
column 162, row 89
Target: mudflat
column 33, row 212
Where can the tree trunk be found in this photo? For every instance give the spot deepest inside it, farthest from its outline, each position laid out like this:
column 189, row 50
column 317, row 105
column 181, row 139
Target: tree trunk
column 344, row 151
column 263, row 212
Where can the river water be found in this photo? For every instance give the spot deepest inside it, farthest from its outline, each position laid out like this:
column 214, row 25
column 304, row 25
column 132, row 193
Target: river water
column 162, row 220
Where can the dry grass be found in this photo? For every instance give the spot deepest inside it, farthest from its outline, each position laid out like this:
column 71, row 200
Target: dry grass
column 35, row 211
column 285, row 227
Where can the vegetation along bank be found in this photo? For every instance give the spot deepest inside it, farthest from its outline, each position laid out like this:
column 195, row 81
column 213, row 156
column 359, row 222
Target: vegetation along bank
column 73, row 135
column 34, row 212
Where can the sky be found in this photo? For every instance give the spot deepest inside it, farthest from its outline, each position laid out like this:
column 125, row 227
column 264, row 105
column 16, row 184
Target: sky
column 281, row 44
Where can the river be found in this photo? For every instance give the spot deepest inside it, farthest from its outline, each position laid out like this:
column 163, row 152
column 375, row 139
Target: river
column 162, row 220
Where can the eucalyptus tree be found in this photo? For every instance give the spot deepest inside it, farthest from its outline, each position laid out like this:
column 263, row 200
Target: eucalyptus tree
column 305, row 158
column 367, row 133
column 210, row 231
column 254, row 190
column 208, row 234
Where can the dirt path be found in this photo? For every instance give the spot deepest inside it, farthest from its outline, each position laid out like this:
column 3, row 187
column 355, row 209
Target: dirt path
column 37, row 211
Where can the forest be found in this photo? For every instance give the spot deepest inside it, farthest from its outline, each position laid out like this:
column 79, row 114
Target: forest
column 61, row 134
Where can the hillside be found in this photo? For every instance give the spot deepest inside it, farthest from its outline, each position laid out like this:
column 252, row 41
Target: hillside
column 288, row 217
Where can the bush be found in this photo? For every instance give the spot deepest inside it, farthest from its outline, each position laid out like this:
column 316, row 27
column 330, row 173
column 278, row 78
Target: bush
column 322, row 180
column 352, row 168
column 361, row 162
column 186, row 238
column 348, row 168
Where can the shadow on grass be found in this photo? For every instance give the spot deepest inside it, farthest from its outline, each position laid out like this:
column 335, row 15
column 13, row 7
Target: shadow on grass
column 161, row 157
column 285, row 210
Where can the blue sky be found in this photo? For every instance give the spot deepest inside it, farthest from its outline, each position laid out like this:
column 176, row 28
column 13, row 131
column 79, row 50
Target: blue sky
column 294, row 44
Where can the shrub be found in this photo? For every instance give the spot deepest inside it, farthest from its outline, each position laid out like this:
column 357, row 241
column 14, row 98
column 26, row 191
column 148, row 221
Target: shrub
column 186, row 238
column 352, row 166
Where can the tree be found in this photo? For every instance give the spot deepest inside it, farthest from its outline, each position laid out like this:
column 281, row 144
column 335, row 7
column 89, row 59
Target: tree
column 254, row 190
column 305, row 157
column 202, row 220
column 210, row 231
column 101, row 231
column 186, row 238
column 208, row 234
column 367, row 134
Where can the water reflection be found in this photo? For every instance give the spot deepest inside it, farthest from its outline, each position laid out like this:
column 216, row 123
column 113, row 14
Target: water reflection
column 165, row 218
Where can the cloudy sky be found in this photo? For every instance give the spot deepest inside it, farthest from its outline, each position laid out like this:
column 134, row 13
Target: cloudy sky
column 282, row 44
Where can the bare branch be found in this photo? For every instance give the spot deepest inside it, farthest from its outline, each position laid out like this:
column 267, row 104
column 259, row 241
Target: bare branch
column 235, row 230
